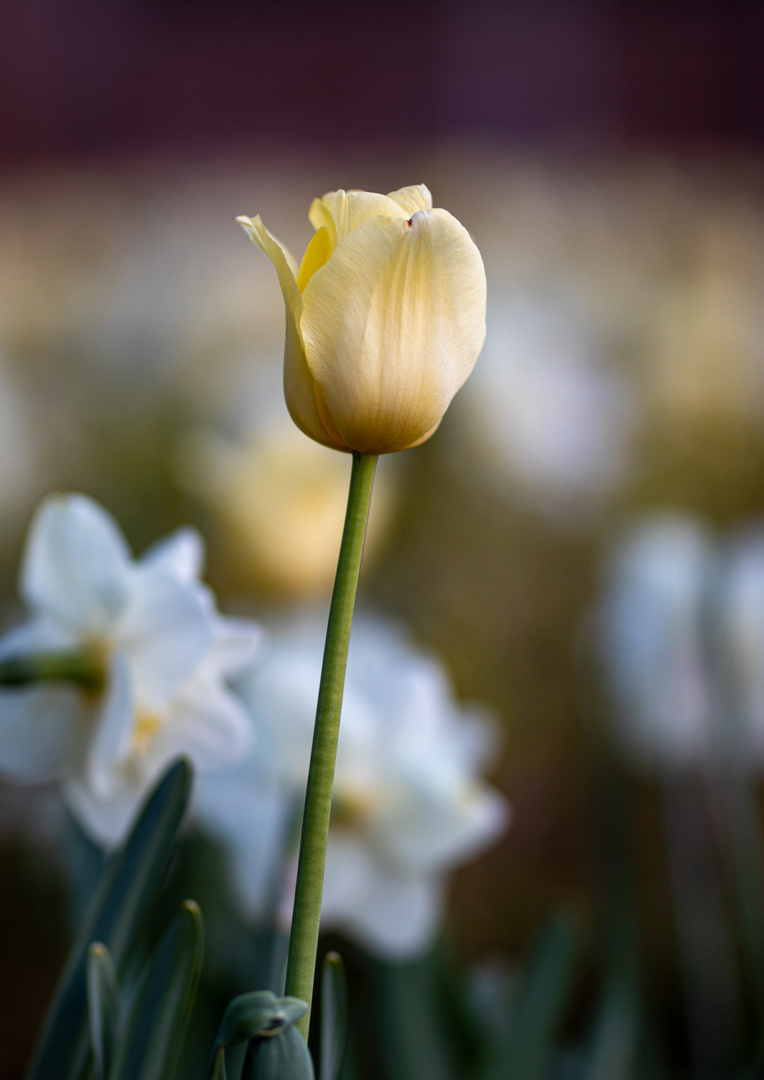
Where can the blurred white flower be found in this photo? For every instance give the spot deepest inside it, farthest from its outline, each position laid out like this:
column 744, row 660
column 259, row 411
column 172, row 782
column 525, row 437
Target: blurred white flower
column 409, row 802
column 651, row 640
column 742, row 640
column 166, row 654
column 547, row 412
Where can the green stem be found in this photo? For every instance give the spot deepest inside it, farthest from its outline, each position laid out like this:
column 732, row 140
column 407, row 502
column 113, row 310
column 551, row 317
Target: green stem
column 303, row 938
column 82, row 667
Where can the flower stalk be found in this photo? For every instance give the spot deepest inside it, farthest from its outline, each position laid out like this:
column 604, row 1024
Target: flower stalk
column 303, row 938
column 82, row 667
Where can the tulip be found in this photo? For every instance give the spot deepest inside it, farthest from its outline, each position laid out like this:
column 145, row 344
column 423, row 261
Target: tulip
column 385, row 318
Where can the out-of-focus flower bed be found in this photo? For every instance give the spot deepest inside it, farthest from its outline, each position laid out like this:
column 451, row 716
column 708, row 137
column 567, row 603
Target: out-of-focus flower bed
column 623, row 372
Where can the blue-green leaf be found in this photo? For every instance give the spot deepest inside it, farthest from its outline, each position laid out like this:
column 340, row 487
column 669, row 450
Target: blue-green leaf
column 103, row 1007
column 249, row 1015
column 333, row 1015
column 532, row 1036
column 150, row 1042
column 283, row 1055
column 130, row 883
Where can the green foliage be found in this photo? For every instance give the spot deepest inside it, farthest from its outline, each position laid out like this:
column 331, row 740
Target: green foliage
column 275, row 1048
column 103, row 1007
column 333, row 1015
column 129, row 886
column 531, row 1031
column 149, row 1042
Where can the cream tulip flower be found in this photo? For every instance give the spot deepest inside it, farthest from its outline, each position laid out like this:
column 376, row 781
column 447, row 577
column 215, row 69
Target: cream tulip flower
column 385, row 317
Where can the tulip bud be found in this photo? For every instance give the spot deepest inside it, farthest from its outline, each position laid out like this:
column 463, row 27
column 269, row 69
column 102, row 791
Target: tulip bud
column 385, row 318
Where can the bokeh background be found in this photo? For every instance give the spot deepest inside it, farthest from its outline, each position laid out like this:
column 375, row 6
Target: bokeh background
column 607, row 157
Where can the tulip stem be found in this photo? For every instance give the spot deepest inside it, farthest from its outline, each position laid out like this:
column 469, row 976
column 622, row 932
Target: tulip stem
column 303, row 938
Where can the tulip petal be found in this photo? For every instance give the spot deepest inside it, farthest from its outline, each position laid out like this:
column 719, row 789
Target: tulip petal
column 298, row 381
column 392, row 326
column 412, row 199
column 316, row 254
column 341, row 212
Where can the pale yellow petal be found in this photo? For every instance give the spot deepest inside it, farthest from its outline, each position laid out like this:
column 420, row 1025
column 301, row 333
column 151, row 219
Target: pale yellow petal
column 348, row 209
column 320, row 215
column 316, row 254
column 298, row 380
column 412, row 199
column 392, row 326
column 278, row 253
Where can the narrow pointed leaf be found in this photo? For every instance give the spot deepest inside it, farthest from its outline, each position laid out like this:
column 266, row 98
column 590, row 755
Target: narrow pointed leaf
column 333, row 1015
column 218, row 1066
column 103, row 1007
column 540, row 1006
column 150, row 1043
column 128, row 887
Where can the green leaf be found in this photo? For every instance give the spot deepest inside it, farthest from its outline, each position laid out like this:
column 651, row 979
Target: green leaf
column 103, row 1007
column 248, row 1015
column 333, row 1015
column 218, row 1066
column 532, row 1036
column 150, row 1042
column 283, row 1055
column 128, row 887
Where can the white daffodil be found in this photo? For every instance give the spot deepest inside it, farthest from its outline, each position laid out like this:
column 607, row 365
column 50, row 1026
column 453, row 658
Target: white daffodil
column 164, row 652
column 652, row 640
column 409, row 802
column 385, row 317
column 741, row 601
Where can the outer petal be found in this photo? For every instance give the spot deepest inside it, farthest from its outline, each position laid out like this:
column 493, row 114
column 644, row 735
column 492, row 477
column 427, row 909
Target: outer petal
column 76, row 564
column 235, row 644
column 412, row 199
column 298, row 381
column 208, row 724
column 392, row 326
column 341, row 212
column 395, row 915
column 181, row 554
column 110, row 741
column 166, row 631
column 428, row 831
column 253, row 820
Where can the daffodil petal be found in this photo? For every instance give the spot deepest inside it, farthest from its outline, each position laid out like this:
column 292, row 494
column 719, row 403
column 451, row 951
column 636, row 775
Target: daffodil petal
column 412, row 199
column 167, row 630
column 76, row 564
column 110, row 743
column 408, row 297
column 395, row 914
column 181, row 554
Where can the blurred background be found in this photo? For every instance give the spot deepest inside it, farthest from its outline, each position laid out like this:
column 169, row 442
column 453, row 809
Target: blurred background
column 608, row 159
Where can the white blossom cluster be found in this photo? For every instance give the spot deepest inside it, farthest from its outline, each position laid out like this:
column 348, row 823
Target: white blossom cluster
column 179, row 678
column 681, row 638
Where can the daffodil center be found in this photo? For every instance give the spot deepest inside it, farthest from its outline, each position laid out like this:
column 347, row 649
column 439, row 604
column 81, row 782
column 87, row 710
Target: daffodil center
column 145, row 728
